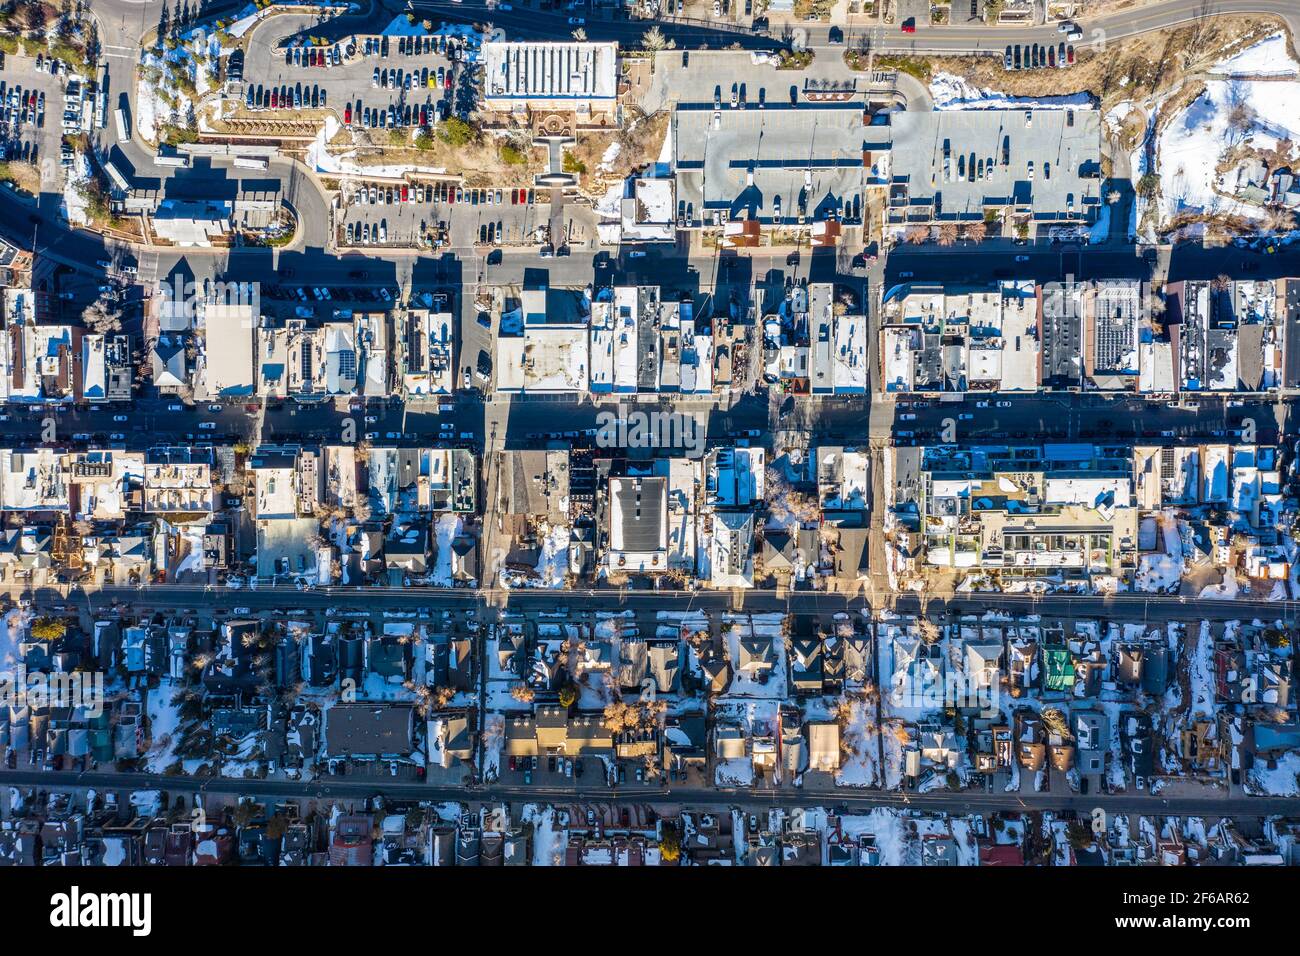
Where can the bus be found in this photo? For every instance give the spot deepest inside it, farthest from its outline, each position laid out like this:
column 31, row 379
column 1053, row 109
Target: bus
column 119, row 116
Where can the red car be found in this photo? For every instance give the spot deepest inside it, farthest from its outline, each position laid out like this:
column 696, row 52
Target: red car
column 347, row 115
column 311, row 58
column 909, row 25
column 406, row 196
column 446, row 83
column 275, row 100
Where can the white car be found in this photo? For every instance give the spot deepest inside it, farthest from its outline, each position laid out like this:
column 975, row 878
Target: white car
column 576, row 21
column 208, row 426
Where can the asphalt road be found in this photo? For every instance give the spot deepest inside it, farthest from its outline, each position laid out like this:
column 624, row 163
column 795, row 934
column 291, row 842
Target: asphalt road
column 939, row 801
column 524, row 22
column 1149, row 607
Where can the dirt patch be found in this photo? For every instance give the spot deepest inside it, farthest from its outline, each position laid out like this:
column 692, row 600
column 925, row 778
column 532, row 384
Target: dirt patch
column 1129, row 69
column 481, row 163
column 24, row 176
column 638, row 142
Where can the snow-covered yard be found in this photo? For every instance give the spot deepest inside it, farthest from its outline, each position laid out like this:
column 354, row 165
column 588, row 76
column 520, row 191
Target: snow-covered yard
column 1201, row 150
column 859, row 766
column 1162, row 571
column 1281, row 781
column 164, row 724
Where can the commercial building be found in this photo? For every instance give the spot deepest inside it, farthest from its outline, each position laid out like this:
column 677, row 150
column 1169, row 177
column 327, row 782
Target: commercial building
column 1027, row 172
column 747, row 169
column 572, row 77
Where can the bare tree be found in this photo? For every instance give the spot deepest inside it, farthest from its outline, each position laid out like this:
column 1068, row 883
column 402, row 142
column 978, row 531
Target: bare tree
column 947, row 234
column 653, row 40
column 917, row 235
column 102, row 316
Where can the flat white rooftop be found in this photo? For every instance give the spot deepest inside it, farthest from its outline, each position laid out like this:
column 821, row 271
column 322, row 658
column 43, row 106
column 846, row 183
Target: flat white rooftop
column 549, row 71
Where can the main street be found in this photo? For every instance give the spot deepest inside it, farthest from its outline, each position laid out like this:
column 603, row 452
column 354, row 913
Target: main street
column 526, row 21
column 1150, row 608
column 842, row 799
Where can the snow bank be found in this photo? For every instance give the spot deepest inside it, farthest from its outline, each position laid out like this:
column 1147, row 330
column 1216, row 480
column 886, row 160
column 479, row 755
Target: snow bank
column 74, row 204
column 951, row 92
column 1268, row 57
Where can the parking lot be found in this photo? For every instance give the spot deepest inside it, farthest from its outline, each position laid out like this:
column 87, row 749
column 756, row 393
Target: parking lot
column 32, row 126
column 399, row 214
column 369, row 82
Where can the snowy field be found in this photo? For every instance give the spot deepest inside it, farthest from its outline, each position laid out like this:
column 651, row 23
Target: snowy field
column 1240, row 114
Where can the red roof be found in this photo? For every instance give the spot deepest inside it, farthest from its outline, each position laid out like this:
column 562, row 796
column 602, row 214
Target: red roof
column 1001, row 855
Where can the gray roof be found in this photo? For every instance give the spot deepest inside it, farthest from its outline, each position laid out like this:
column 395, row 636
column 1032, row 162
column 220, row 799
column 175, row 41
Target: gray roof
column 813, row 150
column 642, row 503
column 369, row 729
column 1063, row 145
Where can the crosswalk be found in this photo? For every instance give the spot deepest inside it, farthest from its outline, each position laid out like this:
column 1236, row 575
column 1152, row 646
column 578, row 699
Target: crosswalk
column 119, row 52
